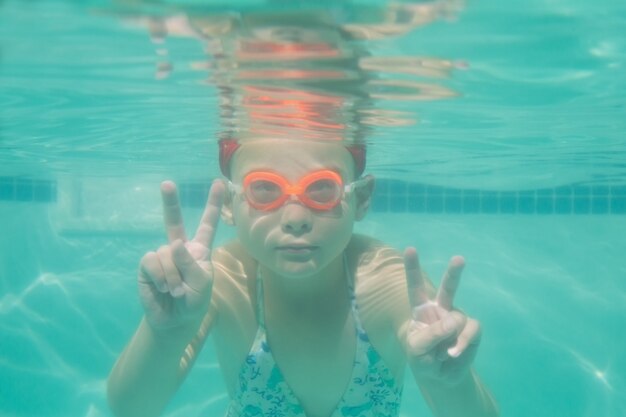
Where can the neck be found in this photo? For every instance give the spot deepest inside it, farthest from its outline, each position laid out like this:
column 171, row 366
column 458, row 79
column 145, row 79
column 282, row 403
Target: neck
column 322, row 292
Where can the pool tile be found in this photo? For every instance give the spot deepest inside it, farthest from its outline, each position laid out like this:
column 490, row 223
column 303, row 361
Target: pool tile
column 581, row 190
column 600, row 205
column 382, row 187
column 380, row 203
column 471, row 202
column 581, row 205
column 397, row 203
column 489, row 202
column 203, row 193
column 397, row 187
column 549, row 192
column 508, row 203
column 23, row 190
column 193, row 194
column 416, row 188
column 563, row 205
column 565, row 190
column 417, row 203
column 618, row 190
column 434, row 204
column 7, row 188
column 545, row 205
column 453, row 203
column 618, row 205
column 526, row 202
column 434, row 190
column 184, row 193
column 600, row 190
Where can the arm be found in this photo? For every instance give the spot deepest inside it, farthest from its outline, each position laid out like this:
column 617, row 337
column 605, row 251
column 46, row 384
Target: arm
column 152, row 367
column 175, row 287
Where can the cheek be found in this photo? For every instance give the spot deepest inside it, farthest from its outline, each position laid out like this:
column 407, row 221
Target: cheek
column 337, row 229
column 253, row 228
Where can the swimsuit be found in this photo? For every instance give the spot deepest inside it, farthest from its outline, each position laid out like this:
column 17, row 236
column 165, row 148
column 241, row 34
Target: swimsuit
column 263, row 392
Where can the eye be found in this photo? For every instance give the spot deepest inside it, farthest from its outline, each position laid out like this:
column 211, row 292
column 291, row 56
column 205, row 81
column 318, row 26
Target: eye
column 323, row 191
column 263, row 191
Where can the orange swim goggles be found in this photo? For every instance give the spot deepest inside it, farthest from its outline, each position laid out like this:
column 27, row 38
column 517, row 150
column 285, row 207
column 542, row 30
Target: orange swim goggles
column 319, row 190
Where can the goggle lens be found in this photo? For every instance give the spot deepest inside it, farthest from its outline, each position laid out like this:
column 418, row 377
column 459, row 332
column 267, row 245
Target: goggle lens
column 263, row 192
column 323, row 191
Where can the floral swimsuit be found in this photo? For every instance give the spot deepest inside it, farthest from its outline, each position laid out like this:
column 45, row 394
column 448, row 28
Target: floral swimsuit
column 262, row 390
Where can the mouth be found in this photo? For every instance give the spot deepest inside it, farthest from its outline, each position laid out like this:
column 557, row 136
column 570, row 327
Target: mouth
column 297, row 249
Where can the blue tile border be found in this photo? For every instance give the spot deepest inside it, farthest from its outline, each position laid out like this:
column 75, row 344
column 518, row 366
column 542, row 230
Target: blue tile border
column 27, row 190
column 395, row 196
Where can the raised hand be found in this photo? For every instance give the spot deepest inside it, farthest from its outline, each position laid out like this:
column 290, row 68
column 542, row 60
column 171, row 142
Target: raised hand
column 442, row 342
column 175, row 281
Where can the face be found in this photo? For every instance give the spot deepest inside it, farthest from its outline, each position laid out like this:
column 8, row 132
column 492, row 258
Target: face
column 293, row 240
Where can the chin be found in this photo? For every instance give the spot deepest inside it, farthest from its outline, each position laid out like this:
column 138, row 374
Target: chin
column 296, row 270
column 298, row 267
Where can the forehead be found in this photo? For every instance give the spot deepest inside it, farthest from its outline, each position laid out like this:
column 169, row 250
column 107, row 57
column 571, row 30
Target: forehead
column 291, row 158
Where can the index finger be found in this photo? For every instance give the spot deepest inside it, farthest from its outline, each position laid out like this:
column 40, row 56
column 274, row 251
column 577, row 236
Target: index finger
column 210, row 218
column 450, row 283
column 415, row 281
column 172, row 215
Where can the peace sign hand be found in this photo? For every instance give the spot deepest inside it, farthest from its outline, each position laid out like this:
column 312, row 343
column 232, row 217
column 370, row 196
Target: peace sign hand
column 175, row 281
column 442, row 342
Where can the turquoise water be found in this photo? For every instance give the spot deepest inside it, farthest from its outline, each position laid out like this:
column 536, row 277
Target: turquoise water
column 496, row 132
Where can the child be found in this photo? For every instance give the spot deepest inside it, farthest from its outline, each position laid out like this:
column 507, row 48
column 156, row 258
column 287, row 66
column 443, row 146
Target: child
column 308, row 318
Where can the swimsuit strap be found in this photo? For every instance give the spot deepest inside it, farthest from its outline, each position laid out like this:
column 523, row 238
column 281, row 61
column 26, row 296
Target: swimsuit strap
column 350, row 279
column 260, row 305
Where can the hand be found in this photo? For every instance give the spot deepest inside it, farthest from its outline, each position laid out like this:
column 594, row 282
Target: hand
column 442, row 342
column 175, row 281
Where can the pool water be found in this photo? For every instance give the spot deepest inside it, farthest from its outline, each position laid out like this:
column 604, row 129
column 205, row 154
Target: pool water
column 494, row 132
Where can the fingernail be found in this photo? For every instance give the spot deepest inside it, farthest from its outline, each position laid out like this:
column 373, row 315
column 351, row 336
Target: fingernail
column 454, row 352
column 178, row 291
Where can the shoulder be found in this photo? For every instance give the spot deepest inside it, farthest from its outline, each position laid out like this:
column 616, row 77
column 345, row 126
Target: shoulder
column 233, row 269
column 367, row 252
column 382, row 298
column 232, row 260
column 380, row 282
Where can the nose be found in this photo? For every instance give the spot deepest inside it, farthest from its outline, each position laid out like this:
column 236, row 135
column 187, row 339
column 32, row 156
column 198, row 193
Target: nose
column 296, row 218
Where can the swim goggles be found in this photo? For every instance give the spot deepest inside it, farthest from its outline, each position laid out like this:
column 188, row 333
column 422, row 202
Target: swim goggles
column 319, row 190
